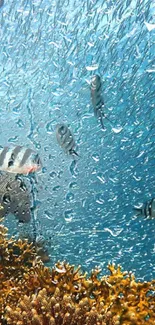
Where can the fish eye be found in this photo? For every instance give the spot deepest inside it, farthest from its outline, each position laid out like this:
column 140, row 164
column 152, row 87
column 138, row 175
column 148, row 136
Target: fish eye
column 62, row 129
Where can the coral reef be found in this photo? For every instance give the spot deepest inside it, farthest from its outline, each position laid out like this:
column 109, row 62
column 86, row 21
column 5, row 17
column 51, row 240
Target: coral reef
column 33, row 294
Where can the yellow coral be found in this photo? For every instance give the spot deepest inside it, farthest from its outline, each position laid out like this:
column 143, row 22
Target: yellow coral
column 32, row 294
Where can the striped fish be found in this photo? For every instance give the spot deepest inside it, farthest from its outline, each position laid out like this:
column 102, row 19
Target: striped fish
column 97, row 99
column 147, row 210
column 14, row 198
column 65, row 139
column 19, row 160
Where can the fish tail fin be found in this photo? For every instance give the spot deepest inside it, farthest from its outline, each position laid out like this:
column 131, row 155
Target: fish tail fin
column 73, row 152
column 101, row 117
column 139, row 211
column 107, row 118
column 102, row 124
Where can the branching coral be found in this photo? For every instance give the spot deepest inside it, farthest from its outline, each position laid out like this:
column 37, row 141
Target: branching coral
column 32, row 294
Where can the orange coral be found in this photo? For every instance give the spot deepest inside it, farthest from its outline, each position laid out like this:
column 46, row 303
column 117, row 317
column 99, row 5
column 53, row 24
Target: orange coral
column 31, row 293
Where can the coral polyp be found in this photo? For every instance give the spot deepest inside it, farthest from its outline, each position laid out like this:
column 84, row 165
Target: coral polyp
column 31, row 293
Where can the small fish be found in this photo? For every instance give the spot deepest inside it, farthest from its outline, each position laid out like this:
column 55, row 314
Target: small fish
column 19, row 160
column 40, row 244
column 97, row 99
column 147, row 210
column 65, row 139
column 14, row 198
column 43, row 253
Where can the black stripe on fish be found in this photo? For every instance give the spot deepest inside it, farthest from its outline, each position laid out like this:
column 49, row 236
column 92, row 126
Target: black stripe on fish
column 14, row 154
column 11, row 160
column 3, row 155
column 26, row 155
column 146, row 210
column 150, row 209
column 69, row 144
column 66, row 137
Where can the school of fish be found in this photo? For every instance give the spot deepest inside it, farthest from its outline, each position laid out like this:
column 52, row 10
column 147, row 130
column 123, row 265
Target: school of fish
column 14, row 160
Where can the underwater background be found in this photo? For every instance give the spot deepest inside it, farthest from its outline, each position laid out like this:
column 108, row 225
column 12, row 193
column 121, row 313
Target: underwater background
column 49, row 51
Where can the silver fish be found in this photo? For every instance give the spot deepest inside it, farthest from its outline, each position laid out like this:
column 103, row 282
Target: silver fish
column 19, row 160
column 14, row 198
column 65, row 139
column 97, row 99
column 147, row 210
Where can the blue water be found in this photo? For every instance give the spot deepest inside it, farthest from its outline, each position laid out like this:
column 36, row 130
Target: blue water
column 48, row 52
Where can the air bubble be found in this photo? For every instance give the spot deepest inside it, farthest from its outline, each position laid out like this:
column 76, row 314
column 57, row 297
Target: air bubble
column 56, row 188
column 60, row 174
column 48, row 215
column 8, row 187
column 73, row 168
column 17, row 109
column 83, row 203
column 68, row 215
column 38, row 146
column 117, row 130
column 101, row 178
column 44, row 170
column 96, row 157
column 51, row 157
column 69, row 197
column 49, row 127
column 99, row 198
column 20, row 123
column 13, row 139
column 6, row 198
column 53, row 174
column 73, row 185
column 94, row 171
column 23, row 186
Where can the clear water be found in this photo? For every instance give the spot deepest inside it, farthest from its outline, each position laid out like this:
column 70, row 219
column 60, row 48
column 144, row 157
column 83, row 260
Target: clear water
column 48, row 52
